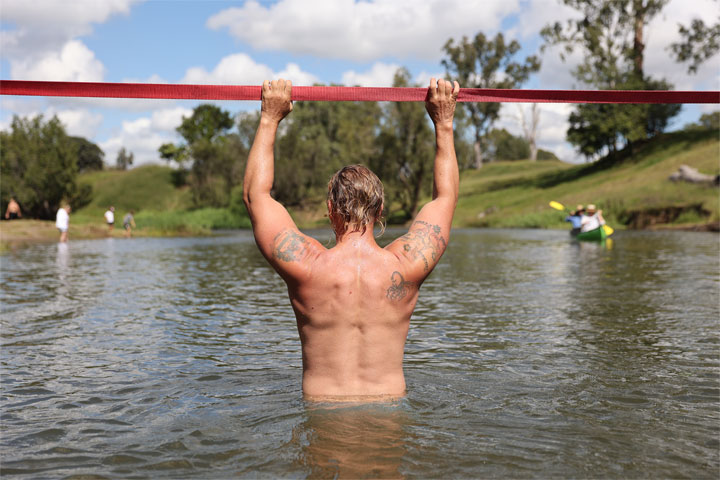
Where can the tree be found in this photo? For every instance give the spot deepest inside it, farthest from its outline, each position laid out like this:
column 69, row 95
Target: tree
column 699, row 43
column 124, row 159
column 318, row 139
column 611, row 36
column 406, row 151
column 39, row 167
column 89, row 155
column 486, row 63
column 211, row 152
column 529, row 127
column 505, row 146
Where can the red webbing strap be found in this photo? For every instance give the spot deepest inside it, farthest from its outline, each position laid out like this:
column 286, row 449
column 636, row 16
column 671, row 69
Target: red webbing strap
column 354, row 94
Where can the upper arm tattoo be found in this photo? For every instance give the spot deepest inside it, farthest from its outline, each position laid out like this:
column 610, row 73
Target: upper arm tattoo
column 289, row 246
column 424, row 241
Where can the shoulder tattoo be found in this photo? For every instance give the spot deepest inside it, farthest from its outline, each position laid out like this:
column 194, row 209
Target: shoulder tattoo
column 424, row 241
column 289, row 246
column 399, row 288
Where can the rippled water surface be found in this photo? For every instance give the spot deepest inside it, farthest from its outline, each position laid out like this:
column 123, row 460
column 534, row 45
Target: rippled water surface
column 528, row 356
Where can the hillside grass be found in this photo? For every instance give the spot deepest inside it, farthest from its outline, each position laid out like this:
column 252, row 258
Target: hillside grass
column 161, row 209
column 516, row 194
column 501, row 194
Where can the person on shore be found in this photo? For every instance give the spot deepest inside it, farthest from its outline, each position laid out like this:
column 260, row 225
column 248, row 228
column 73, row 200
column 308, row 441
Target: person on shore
column 13, row 211
column 591, row 219
column 110, row 218
column 62, row 222
column 575, row 218
column 352, row 302
column 129, row 223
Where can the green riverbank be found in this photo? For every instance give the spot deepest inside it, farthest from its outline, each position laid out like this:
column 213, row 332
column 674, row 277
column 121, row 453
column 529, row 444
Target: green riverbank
column 632, row 189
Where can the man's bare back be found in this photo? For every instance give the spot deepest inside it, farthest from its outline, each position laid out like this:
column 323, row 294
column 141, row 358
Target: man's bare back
column 352, row 302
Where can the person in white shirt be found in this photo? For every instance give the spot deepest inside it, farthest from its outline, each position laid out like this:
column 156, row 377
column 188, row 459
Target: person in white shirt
column 62, row 222
column 110, row 218
column 591, row 219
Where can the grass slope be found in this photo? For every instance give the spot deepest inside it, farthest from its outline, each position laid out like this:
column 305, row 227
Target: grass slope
column 161, row 208
column 516, row 194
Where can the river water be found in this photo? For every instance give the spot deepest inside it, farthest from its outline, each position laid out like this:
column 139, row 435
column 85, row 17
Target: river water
column 529, row 355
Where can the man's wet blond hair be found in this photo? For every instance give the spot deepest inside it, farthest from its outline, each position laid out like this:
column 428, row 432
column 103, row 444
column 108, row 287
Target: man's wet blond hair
column 356, row 199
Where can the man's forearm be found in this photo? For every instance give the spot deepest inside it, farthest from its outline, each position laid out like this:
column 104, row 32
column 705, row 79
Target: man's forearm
column 259, row 171
column 446, row 176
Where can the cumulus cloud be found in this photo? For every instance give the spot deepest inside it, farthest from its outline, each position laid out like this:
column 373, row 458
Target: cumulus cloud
column 360, row 30
column 74, row 62
column 379, row 75
column 77, row 122
column 40, row 26
column 241, row 69
column 143, row 136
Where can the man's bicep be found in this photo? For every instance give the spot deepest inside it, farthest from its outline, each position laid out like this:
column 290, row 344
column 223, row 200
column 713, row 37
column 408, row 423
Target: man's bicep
column 269, row 218
column 286, row 248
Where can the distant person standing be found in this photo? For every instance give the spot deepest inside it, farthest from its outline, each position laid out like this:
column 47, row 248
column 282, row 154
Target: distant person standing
column 110, row 218
column 129, row 223
column 13, row 210
column 62, row 222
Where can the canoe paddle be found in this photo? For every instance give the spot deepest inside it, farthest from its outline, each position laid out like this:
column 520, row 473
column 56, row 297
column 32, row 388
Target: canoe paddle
column 559, row 206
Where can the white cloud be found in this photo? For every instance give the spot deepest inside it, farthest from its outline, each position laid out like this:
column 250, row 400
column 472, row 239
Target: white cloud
column 360, row 30
column 143, row 136
column 41, row 25
column 240, row 69
column 79, row 123
column 380, row 75
column 73, row 63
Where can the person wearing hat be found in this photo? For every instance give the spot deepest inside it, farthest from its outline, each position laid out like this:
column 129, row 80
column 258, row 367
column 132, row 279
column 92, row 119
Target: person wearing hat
column 575, row 218
column 591, row 219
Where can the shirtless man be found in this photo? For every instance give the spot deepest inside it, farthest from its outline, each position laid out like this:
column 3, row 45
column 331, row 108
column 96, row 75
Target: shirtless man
column 352, row 302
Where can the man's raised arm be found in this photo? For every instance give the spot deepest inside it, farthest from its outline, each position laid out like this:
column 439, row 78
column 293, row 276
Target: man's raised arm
column 429, row 233
column 276, row 234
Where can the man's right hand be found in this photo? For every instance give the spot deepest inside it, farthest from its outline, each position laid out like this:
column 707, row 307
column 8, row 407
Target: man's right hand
column 276, row 99
column 441, row 99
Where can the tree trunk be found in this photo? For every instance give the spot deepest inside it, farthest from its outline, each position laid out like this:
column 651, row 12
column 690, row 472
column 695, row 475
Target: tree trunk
column 638, row 45
column 478, row 161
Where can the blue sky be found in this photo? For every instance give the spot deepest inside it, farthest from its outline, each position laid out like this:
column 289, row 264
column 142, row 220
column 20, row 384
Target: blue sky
column 243, row 42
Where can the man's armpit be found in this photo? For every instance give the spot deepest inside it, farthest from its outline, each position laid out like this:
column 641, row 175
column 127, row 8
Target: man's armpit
column 424, row 241
column 289, row 246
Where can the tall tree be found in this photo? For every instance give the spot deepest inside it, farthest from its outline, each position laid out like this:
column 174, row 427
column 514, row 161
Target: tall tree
column 699, row 42
column 124, row 159
column 484, row 62
column 610, row 34
column 406, row 151
column 89, row 155
column 211, row 154
column 39, row 166
column 320, row 138
column 529, row 123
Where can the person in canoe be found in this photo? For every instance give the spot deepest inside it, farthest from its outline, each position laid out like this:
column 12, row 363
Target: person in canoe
column 575, row 218
column 592, row 219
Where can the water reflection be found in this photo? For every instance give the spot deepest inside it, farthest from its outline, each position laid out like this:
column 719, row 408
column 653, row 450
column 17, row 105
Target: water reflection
column 360, row 441
column 528, row 355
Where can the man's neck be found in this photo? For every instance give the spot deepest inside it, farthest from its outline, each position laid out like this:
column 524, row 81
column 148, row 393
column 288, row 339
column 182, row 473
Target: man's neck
column 357, row 239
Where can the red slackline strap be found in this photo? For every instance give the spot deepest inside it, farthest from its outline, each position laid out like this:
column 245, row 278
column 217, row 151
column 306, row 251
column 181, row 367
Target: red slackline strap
column 354, row 94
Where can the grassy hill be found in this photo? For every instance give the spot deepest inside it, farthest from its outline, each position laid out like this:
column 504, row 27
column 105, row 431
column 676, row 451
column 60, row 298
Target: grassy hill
column 632, row 189
column 161, row 208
